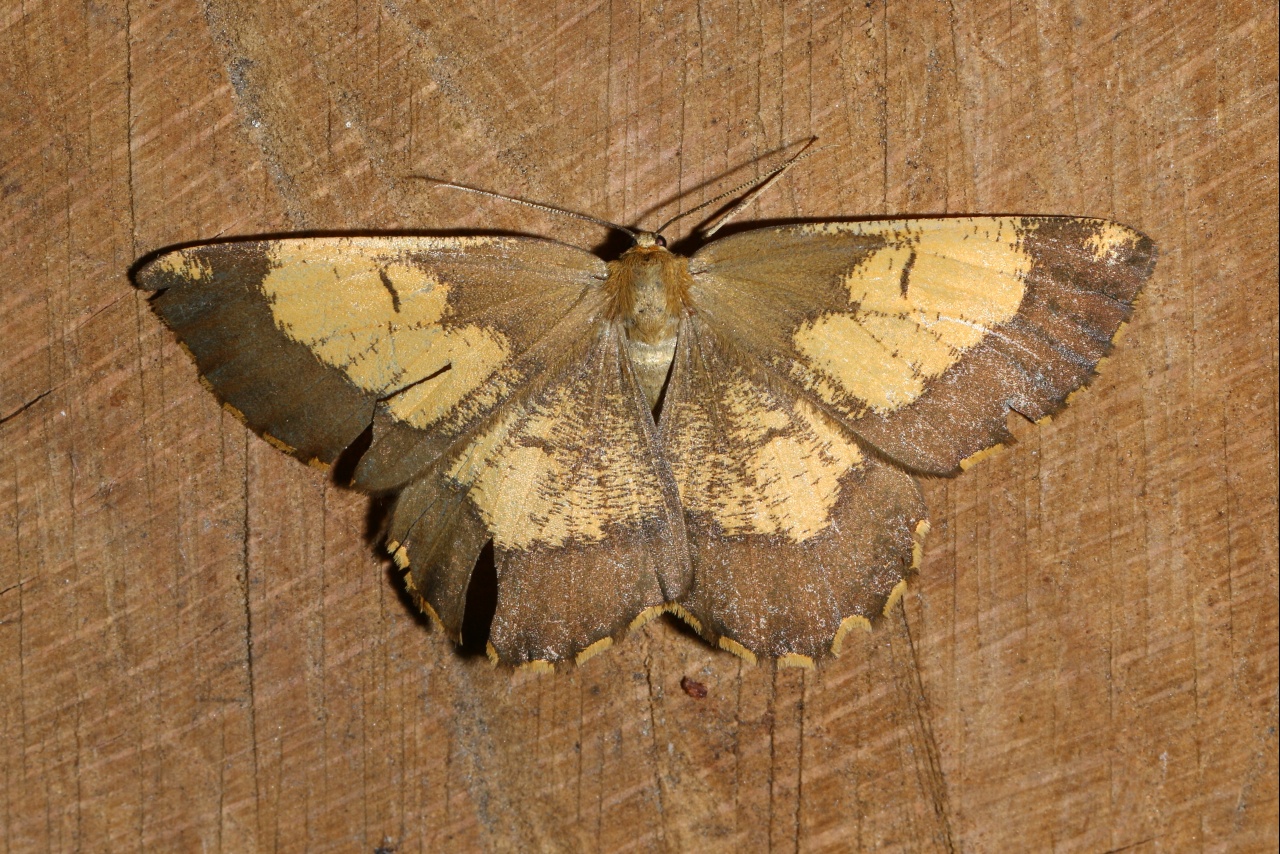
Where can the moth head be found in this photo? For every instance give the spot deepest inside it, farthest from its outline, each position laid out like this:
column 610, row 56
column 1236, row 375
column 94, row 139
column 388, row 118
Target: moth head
column 649, row 280
column 648, row 240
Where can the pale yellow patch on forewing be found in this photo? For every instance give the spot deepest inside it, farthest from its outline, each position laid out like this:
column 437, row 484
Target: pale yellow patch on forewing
column 543, row 475
column 847, row 352
column 961, row 282
column 187, row 265
column 473, row 355
column 1110, row 239
column 775, row 472
column 336, row 297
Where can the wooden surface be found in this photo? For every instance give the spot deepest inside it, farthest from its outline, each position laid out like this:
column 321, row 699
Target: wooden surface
column 201, row 647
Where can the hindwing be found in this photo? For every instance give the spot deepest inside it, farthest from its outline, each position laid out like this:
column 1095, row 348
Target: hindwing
column 796, row 527
column 568, row 481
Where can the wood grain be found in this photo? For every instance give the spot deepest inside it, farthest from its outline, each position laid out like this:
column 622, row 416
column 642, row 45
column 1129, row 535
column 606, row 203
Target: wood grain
column 202, row 649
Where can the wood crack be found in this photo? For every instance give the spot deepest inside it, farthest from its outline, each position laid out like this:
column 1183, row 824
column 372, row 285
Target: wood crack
column 4, row 419
column 937, row 783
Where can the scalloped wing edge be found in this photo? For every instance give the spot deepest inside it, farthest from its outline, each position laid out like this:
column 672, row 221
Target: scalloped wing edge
column 399, row 556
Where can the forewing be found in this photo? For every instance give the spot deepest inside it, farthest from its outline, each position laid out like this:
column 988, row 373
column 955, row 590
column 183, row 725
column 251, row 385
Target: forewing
column 921, row 335
column 304, row 337
column 795, row 528
column 567, row 480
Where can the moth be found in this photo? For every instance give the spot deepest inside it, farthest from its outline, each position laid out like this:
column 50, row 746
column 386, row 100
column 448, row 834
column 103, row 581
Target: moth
column 732, row 436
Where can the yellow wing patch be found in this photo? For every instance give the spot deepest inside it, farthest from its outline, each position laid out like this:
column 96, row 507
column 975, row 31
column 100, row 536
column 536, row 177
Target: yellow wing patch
column 361, row 309
column 917, row 304
column 534, row 481
column 473, row 355
column 791, row 462
column 1110, row 240
column 187, row 266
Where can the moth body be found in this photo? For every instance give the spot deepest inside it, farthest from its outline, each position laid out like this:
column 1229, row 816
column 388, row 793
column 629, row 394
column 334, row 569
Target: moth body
column 649, row 289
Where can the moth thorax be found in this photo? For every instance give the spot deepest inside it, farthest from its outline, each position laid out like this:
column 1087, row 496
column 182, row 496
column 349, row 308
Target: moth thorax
column 648, row 289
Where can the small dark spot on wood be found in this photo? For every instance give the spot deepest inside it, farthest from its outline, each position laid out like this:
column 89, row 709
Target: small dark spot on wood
column 693, row 688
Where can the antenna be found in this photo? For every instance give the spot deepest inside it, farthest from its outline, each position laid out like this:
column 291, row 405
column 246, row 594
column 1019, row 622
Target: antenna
column 761, row 183
column 536, row 205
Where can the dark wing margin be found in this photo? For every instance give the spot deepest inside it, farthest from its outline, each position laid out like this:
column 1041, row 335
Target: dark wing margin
column 303, row 337
column 568, row 480
column 921, row 335
column 797, row 531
